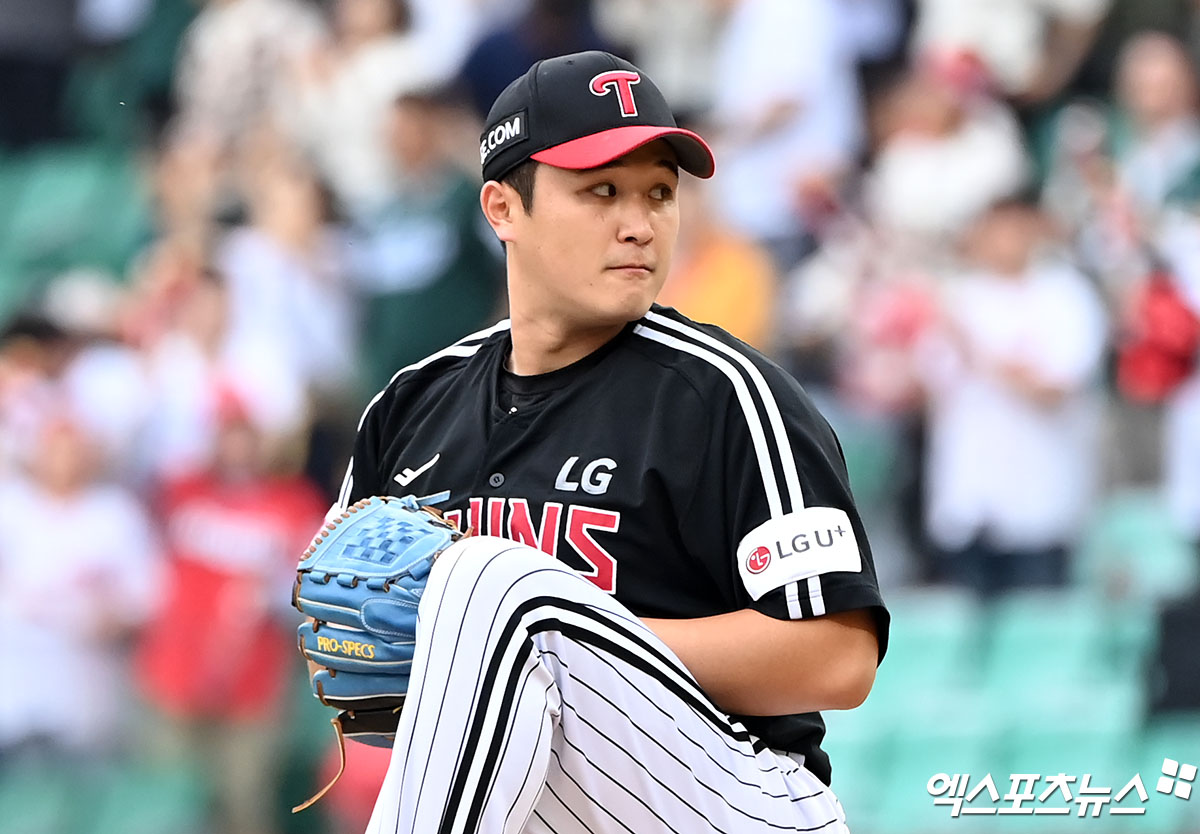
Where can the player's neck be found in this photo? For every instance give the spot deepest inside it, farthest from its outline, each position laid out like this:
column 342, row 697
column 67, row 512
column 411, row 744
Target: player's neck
column 541, row 346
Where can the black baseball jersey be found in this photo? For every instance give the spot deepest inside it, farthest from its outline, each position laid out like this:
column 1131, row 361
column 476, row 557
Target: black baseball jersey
column 676, row 468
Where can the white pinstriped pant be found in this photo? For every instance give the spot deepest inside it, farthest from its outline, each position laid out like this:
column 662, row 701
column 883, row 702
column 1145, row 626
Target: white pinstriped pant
column 539, row 704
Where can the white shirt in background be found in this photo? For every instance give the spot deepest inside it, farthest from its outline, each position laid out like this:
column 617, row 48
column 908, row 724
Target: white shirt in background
column 935, row 186
column 67, row 564
column 781, row 51
column 1000, row 464
column 1007, row 35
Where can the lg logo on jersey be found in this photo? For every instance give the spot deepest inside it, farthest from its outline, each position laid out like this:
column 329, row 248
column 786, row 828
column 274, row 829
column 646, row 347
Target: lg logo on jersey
column 594, row 479
column 758, row 560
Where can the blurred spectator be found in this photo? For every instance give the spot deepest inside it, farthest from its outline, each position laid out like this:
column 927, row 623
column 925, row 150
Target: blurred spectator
column 1079, row 171
column 104, row 380
column 289, row 297
column 1030, row 48
column 787, row 115
column 1156, row 92
column 37, row 39
column 947, row 152
column 80, row 563
column 425, row 266
column 1110, row 175
column 450, row 28
column 233, row 62
column 33, row 352
column 672, row 40
column 343, row 93
column 1180, row 245
column 875, row 29
column 192, row 365
column 1013, row 444
column 717, row 275
column 186, row 183
column 216, row 659
column 548, row 28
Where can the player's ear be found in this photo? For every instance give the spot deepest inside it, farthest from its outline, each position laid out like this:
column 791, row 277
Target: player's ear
column 500, row 204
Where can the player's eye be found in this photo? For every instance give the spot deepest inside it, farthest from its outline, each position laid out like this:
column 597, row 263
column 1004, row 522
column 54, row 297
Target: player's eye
column 662, row 193
column 604, row 189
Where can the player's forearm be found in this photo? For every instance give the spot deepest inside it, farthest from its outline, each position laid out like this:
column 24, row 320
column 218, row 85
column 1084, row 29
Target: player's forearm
column 752, row 664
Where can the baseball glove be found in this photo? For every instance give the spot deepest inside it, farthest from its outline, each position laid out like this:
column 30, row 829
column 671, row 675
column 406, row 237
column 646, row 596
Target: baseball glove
column 360, row 583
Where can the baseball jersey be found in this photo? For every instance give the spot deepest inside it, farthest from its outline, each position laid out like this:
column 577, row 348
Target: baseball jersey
column 675, row 467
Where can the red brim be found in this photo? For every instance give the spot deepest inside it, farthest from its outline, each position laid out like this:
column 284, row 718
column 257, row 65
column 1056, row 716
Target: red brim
column 693, row 153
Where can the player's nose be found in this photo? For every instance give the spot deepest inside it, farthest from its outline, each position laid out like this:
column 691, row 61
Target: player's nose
column 635, row 225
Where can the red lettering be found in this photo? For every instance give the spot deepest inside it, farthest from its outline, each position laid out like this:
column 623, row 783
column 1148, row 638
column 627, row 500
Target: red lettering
column 520, row 525
column 622, row 82
column 580, row 520
column 476, row 515
column 495, row 517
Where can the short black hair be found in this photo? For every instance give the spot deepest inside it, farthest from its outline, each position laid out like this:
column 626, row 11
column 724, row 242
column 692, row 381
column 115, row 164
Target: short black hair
column 521, row 179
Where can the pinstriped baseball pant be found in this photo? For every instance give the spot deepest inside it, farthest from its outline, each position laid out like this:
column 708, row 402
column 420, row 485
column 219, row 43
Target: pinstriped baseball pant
column 540, row 704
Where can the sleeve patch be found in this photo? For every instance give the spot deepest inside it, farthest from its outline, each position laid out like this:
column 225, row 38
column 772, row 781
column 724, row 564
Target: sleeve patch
column 810, row 542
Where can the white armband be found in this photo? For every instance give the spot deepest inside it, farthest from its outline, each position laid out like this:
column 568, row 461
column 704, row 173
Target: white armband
column 808, row 542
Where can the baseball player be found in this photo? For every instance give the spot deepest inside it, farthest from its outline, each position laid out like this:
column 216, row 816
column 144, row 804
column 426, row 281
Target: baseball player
column 671, row 579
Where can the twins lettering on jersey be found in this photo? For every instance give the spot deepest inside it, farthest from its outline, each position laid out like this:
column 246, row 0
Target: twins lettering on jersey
column 572, row 525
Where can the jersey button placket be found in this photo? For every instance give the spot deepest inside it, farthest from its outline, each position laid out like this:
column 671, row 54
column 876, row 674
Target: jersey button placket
column 495, row 480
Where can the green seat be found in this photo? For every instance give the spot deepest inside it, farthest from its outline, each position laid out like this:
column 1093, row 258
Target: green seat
column 859, row 744
column 1130, row 638
column 1132, row 549
column 55, row 204
column 870, row 447
column 153, row 52
column 140, row 798
column 124, row 225
column 1040, row 638
column 102, row 97
column 934, row 643
column 12, row 177
column 948, row 732
column 35, row 800
column 1176, row 737
column 76, row 206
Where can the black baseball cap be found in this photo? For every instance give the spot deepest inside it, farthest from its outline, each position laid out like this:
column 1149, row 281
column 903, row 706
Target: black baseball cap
column 582, row 111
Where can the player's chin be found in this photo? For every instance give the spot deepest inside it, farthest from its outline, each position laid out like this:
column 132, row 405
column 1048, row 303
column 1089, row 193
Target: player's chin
column 630, row 297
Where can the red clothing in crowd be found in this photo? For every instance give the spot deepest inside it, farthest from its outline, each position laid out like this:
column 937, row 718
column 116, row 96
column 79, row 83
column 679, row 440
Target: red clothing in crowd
column 224, row 639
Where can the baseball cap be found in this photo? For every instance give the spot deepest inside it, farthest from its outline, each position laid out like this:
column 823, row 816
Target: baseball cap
column 582, row 111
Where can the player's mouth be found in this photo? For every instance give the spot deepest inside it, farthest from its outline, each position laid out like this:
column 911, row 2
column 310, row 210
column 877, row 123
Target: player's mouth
column 635, row 269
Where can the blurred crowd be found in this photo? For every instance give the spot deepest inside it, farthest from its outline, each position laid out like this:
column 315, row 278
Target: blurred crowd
column 971, row 228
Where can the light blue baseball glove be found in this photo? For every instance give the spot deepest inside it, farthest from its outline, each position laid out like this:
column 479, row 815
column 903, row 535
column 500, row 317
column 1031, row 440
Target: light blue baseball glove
column 360, row 583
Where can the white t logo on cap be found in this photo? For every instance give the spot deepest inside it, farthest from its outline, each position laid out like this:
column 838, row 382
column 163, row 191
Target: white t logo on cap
column 622, row 81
